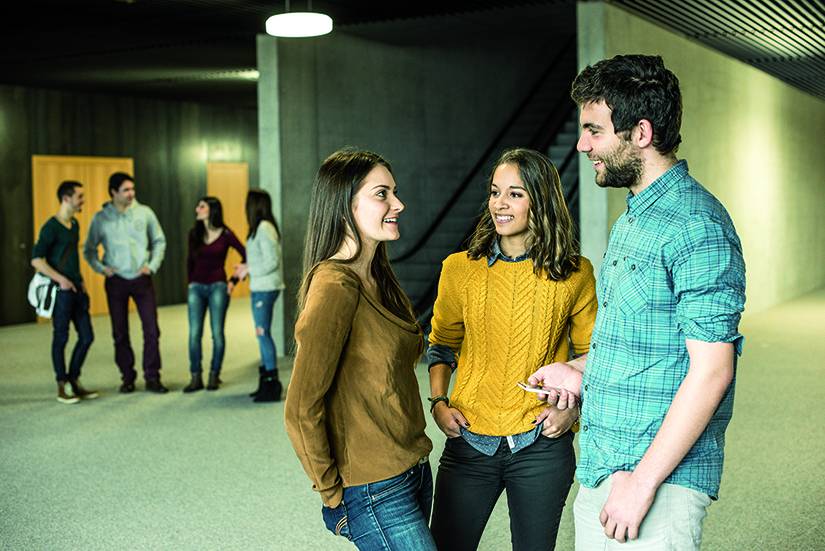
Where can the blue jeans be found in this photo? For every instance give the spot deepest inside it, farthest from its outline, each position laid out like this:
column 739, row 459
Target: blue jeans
column 537, row 480
column 201, row 296
column 70, row 306
column 262, row 304
column 389, row 515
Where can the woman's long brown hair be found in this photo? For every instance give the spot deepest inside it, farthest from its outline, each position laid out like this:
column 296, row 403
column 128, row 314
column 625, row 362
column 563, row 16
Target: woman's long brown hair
column 338, row 181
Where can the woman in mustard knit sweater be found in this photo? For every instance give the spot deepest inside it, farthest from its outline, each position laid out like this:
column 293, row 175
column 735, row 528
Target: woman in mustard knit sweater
column 353, row 409
column 519, row 298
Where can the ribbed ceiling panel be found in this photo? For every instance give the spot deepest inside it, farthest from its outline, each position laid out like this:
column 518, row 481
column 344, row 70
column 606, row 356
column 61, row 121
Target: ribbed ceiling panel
column 783, row 38
column 97, row 43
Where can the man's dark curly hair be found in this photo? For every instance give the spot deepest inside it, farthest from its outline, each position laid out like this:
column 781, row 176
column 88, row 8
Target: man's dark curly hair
column 635, row 87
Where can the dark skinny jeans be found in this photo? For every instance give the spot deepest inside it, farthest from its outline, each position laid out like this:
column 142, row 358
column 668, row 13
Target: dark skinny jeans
column 70, row 307
column 142, row 291
column 537, row 480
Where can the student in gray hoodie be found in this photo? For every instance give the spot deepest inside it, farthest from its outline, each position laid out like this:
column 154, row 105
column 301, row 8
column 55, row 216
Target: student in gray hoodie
column 133, row 248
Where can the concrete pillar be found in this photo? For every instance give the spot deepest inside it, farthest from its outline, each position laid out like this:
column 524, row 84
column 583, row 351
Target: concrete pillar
column 593, row 200
column 269, row 143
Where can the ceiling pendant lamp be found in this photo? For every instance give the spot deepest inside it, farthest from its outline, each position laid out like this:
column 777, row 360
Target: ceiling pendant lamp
column 298, row 24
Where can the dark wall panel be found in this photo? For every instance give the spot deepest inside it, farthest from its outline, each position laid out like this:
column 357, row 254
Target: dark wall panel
column 170, row 142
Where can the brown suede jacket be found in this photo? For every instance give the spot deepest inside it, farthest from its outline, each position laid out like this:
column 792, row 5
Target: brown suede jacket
column 353, row 409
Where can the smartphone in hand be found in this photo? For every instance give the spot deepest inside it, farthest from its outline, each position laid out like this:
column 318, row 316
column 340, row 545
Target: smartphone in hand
column 537, row 390
column 525, row 386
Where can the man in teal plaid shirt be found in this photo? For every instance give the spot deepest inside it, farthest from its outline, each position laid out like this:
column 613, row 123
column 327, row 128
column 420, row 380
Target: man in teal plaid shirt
column 657, row 384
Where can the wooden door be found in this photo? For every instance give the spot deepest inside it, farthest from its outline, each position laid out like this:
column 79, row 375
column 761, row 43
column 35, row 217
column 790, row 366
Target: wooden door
column 229, row 182
column 48, row 171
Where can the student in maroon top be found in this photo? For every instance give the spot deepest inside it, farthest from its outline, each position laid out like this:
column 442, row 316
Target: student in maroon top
column 209, row 241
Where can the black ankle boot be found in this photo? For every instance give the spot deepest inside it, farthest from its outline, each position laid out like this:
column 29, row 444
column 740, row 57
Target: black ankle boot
column 261, row 374
column 214, row 381
column 195, row 384
column 270, row 388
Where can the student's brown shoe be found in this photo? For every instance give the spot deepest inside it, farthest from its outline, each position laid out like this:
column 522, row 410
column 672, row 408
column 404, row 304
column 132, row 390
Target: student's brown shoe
column 64, row 394
column 81, row 392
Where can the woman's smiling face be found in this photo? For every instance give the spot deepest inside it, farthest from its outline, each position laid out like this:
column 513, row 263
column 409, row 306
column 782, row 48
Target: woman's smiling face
column 510, row 208
column 376, row 207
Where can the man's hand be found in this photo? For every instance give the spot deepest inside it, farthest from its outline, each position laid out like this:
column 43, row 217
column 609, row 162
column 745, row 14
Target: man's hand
column 65, row 284
column 626, row 507
column 561, row 375
column 556, row 422
column 62, row 281
column 448, row 420
column 631, row 495
column 108, row 271
column 145, row 271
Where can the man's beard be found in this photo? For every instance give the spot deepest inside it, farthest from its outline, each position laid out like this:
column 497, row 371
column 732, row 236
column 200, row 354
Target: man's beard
column 622, row 169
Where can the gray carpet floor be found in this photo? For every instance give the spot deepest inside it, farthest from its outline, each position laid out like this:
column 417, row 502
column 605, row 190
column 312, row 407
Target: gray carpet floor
column 215, row 471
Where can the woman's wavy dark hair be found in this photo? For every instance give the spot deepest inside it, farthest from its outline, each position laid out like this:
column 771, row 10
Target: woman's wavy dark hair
column 258, row 209
column 338, row 181
column 198, row 232
column 552, row 247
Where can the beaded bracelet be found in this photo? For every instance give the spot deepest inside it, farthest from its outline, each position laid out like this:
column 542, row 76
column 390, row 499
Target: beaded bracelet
column 435, row 399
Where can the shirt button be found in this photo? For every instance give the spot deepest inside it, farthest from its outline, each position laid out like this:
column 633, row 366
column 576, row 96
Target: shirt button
column 586, row 386
column 615, row 262
column 632, row 266
column 584, row 428
column 604, row 304
column 630, row 220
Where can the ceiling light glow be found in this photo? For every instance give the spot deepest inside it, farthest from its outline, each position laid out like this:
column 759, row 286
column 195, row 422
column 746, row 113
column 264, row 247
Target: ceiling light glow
column 298, row 24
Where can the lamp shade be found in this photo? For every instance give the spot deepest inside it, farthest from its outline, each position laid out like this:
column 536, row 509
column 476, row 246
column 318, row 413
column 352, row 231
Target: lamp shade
column 298, row 24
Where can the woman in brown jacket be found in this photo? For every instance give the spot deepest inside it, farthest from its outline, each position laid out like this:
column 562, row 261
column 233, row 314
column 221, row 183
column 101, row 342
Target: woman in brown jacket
column 353, row 408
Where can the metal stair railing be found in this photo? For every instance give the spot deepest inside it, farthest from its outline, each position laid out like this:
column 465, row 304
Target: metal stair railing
column 427, row 298
column 565, row 51
column 546, row 131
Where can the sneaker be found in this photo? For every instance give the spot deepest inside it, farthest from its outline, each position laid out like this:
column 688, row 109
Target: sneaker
column 81, row 392
column 156, row 386
column 64, row 394
column 128, row 386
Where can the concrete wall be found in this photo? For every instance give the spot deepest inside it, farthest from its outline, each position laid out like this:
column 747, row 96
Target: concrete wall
column 752, row 140
column 428, row 96
column 171, row 143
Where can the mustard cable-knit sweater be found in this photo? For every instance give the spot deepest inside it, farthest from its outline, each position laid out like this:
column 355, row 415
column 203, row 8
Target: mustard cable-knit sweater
column 504, row 323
